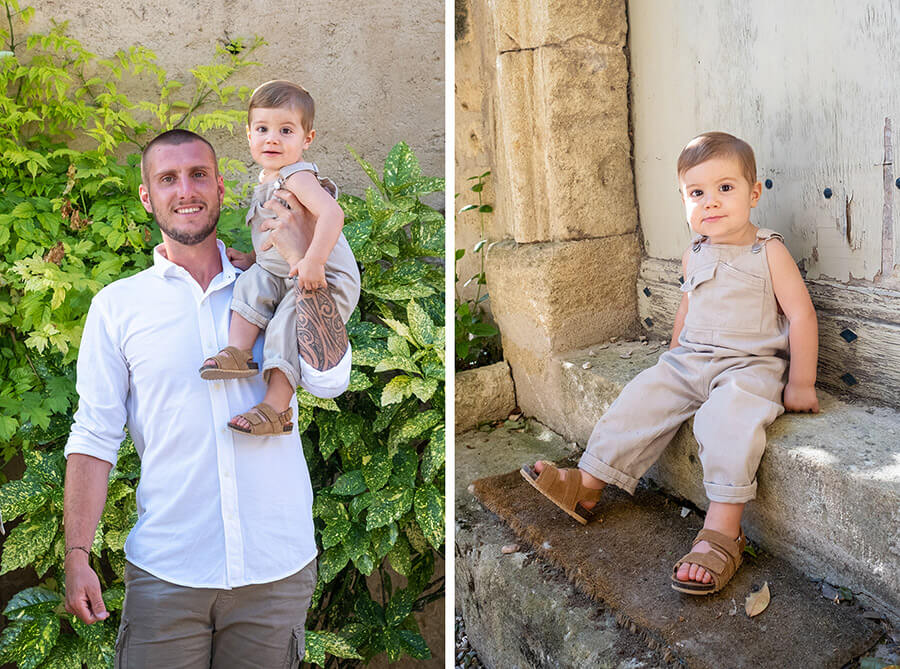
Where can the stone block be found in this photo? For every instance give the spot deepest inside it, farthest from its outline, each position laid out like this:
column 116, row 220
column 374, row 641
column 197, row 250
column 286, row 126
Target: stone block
column 526, row 25
column 563, row 157
column 556, row 297
column 483, row 394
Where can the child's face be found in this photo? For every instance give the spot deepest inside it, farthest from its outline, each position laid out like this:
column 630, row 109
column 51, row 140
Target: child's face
column 277, row 137
column 717, row 200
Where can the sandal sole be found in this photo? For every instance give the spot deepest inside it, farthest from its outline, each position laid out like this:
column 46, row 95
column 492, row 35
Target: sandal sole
column 531, row 476
column 215, row 374
column 687, row 588
column 287, row 429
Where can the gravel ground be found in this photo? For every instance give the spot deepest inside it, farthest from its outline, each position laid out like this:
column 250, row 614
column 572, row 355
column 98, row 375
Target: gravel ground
column 466, row 656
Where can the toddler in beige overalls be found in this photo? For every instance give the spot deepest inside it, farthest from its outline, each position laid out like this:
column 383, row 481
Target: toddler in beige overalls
column 744, row 308
column 728, row 372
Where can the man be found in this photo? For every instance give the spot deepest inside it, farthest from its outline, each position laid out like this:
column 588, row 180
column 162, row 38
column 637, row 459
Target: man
column 221, row 562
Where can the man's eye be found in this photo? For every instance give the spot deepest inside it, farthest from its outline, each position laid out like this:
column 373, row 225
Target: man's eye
column 199, row 174
column 166, row 179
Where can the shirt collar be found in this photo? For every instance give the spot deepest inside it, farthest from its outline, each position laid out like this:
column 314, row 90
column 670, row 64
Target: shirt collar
column 166, row 268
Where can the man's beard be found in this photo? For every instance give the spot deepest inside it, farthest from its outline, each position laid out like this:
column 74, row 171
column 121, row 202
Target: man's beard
column 188, row 238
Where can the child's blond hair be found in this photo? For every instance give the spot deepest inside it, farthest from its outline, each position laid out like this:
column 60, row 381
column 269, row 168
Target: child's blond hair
column 718, row 145
column 278, row 93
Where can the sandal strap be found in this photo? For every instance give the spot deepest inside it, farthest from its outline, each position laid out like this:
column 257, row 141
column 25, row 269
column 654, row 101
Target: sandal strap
column 722, row 542
column 568, row 490
column 232, row 358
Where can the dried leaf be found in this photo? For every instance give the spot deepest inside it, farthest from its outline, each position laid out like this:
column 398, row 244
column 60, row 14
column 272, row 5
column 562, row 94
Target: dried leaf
column 509, row 548
column 757, row 601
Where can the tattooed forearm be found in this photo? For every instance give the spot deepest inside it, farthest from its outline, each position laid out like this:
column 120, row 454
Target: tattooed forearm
column 321, row 335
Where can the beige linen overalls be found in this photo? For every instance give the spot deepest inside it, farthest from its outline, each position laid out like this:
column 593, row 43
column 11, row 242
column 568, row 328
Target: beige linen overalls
column 264, row 294
column 728, row 372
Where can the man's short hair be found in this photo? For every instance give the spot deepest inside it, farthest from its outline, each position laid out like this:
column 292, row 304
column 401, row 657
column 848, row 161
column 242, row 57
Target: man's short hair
column 173, row 137
column 717, row 145
column 277, row 94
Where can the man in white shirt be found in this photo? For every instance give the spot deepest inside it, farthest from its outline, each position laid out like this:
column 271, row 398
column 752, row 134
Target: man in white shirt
column 221, row 562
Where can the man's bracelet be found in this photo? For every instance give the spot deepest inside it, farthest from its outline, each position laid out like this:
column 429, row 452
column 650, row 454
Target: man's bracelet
column 76, row 548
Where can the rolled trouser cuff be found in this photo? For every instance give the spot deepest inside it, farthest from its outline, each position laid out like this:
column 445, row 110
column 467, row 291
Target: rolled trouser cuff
column 730, row 494
column 599, row 469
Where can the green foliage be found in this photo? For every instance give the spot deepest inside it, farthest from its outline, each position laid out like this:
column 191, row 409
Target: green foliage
column 376, row 455
column 71, row 222
column 477, row 339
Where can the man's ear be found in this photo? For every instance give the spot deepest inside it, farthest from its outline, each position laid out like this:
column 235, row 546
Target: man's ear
column 144, row 194
column 220, row 187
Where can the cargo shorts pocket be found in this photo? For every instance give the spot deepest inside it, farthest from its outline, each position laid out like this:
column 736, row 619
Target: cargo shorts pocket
column 121, row 661
column 297, row 648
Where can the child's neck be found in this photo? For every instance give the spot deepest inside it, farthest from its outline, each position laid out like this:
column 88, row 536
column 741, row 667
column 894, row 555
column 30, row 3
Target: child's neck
column 743, row 237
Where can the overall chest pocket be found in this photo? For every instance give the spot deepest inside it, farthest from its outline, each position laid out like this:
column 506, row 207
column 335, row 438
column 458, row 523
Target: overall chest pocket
column 725, row 299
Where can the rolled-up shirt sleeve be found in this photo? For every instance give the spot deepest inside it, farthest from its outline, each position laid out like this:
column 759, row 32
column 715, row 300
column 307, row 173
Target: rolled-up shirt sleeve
column 330, row 383
column 102, row 386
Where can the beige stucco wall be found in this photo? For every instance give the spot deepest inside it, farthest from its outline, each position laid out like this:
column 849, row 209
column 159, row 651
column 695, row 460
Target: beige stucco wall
column 375, row 70
column 808, row 85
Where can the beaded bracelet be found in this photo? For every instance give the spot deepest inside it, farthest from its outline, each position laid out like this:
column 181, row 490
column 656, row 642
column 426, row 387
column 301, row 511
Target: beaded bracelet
column 76, row 548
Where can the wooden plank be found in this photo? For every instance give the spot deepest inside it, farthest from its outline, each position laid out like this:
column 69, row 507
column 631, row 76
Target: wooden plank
column 869, row 316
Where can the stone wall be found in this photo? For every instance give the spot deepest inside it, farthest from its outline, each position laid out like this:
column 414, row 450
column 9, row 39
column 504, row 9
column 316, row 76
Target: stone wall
column 375, row 70
column 554, row 123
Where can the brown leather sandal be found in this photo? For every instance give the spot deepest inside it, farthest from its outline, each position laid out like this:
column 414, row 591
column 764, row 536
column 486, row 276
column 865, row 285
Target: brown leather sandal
column 720, row 568
column 566, row 493
column 231, row 363
column 265, row 420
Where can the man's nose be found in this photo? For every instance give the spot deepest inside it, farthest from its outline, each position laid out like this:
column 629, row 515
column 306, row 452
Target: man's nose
column 185, row 186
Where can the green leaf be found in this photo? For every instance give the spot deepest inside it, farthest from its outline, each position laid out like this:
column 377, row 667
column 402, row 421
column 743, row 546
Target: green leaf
column 412, row 643
column 360, row 503
column 31, row 603
column 334, row 532
column 399, row 607
column 351, row 483
column 406, row 461
column 319, row 644
column 376, row 469
column 328, row 508
column 384, row 538
column 420, row 324
column 424, row 389
column 401, row 166
column 396, row 390
column 66, row 654
column 400, row 556
column 28, row 641
column 331, row 562
column 433, row 458
column 414, row 427
column 388, row 505
column 21, row 496
column 27, row 541
column 98, row 642
column 429, row 505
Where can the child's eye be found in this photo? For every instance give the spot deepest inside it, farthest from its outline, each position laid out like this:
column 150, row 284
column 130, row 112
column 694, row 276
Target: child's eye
column 726, row 187
column 696, row 192
column 286, row 131
column 261, row 128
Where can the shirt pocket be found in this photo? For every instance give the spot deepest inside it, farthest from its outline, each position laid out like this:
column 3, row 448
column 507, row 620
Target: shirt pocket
column 732, row 302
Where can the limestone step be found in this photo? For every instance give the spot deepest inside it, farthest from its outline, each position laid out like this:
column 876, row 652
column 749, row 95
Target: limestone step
column 522, row 612
column 829, row 484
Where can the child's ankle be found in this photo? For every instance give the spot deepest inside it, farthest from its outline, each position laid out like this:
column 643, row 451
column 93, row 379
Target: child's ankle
column 591, row 481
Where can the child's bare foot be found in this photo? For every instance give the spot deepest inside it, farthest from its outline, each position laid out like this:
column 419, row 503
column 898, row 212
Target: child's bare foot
column 587, row 481
column 724, row 518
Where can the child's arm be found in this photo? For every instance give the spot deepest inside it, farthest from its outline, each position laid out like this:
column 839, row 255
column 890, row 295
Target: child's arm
column 792, row 296
column 329, row 221
column 681, row 314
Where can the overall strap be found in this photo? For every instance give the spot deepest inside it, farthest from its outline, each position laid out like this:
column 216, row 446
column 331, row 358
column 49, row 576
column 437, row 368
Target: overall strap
column 325, row 182
column 697, row 241
column 762, row 236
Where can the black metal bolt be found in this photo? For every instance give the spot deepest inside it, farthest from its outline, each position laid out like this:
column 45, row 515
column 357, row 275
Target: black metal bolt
column 849, row 379
column 827, row 193
column 897, row 182
column 649, row 322
column 681, row 279
column 646, row 291
column 848, row 335
column 769, row 183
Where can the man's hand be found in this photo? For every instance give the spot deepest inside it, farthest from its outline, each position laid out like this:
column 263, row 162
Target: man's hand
column 83, row 598
column 291, row 229
column 240, row 260
column 801, row 398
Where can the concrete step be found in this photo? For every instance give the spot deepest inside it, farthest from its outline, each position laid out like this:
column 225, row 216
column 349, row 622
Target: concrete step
column 522, row 611
column 829, row 484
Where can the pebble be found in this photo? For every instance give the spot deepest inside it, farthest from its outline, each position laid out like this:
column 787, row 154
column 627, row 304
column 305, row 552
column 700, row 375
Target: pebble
column 586, row 365
column 625, row 355
column 466, row 656
column 509, row 548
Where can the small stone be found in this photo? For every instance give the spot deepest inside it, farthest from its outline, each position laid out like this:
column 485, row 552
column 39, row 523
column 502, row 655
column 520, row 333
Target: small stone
column 685, row 512
column 546, row 546
column 612, row 340
column 603, row 346
column 643, row 338
column 625, row 355
column 592, row 352
column 515, row 416
column 471, row 488
column 586, row 365
column 509, row 548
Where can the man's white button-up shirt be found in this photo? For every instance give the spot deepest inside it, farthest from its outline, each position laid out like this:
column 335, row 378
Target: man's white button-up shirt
column 216, row 508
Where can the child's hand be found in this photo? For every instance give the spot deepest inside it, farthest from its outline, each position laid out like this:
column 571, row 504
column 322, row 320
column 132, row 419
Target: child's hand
column 310, row 274
column 801, row 398
column 239, row 259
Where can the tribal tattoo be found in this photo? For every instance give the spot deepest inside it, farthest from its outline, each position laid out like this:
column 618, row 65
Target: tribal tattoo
column 321, row 335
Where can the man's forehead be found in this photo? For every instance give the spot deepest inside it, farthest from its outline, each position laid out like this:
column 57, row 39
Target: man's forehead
column 187, row 155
